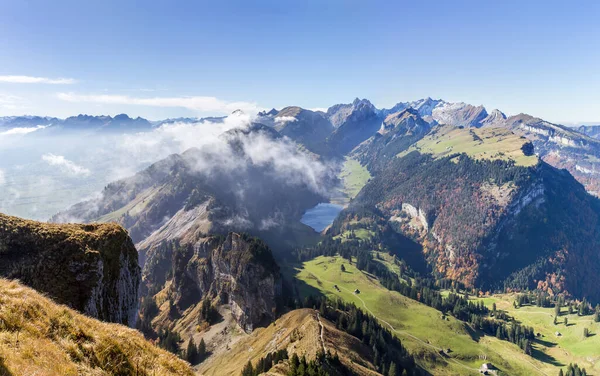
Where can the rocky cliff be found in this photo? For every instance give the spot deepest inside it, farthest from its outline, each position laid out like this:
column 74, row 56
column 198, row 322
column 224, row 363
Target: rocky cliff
column 354, row 123
column 92, row 268
column 237, row 270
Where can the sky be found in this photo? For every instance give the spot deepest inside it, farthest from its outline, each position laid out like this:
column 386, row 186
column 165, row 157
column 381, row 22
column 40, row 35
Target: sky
column 161, row 59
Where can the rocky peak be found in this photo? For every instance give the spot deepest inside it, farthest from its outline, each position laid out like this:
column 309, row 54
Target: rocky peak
column 425, row 106
column 408, row 118
column 496, row 118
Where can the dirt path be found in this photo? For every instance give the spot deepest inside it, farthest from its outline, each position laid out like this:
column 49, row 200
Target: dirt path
column 321, row 330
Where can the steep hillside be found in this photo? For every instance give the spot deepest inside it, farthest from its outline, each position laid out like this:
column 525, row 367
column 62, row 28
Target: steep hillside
column 489, row 217
column 353, row 124
column 561, row 147
column 250, row 180
column 303, row 126
column 92, row 268
column 236, row 270
column 40, row 337
column 299, row 332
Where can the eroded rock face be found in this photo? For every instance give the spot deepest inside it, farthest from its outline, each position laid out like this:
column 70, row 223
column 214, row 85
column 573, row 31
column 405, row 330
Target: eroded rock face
column 237, row 269
column 92, row 268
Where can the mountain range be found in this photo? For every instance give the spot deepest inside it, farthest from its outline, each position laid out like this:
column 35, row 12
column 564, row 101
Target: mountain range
column 457, row 208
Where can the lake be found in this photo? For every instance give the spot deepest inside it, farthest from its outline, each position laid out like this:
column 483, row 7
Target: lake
column 321, row 216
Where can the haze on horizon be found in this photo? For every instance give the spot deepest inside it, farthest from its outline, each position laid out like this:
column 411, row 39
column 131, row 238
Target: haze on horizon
column 199, row 59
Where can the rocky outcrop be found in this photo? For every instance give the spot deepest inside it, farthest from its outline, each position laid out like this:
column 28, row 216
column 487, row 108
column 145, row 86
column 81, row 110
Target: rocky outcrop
column 92, row 268
column 398, row 131
column 237, row 270
column 417, row 214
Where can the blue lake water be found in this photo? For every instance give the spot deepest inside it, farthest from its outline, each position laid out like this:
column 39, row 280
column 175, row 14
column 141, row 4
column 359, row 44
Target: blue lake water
column 321, row 216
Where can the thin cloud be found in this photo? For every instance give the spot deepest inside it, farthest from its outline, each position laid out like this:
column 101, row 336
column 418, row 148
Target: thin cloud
column 10, row 102
column 37, row 80
column 22, row 130
column 285, row 119
column 65, row 165
column 196, row 103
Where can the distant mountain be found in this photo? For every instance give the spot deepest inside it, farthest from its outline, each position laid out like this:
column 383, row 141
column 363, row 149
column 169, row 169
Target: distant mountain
column 87, row 123
column 9, row 122
column 398, row 131
column 306, row 127
column 354, row 123
column 590, row 130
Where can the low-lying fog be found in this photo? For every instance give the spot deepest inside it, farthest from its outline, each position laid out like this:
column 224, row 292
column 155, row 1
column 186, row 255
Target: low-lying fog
column 46, row 170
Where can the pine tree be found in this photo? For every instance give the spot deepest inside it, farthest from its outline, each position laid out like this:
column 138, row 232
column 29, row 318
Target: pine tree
column 201, row 351
column 191, row 355
column 248, row 369
column 392, row 371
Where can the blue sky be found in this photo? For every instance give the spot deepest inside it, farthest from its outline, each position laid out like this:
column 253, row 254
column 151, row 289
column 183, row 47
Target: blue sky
column 163, row 59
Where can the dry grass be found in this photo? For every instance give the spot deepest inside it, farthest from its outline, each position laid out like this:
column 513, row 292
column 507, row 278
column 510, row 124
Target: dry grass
column 298, row 332
column 40, row 337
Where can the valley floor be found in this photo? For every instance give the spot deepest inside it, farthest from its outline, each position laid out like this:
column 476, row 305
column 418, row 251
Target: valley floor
column 446, row 345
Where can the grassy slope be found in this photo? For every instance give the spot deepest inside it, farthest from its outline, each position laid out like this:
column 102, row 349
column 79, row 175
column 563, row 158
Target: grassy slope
column 299, row 332
column 421, row 328
column 134, row 207
column 40, row 337
column 482, row 143
column 570, row 347
column 354, row 176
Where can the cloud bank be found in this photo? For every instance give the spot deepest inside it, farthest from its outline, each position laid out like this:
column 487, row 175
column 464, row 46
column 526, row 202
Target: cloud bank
column 65, row 165
column 23, row 130
column 196, row 103
column 37, row 80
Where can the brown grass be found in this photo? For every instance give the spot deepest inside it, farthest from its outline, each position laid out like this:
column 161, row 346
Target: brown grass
column 298, row 332
column 40, row 337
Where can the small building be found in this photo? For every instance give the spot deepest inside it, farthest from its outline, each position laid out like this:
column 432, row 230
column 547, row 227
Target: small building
column 488, row 369
column 357, row 291
column 557, row 334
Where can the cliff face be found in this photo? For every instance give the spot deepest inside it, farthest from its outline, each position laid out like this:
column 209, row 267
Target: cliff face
column 91, row 268
column 237, row 270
